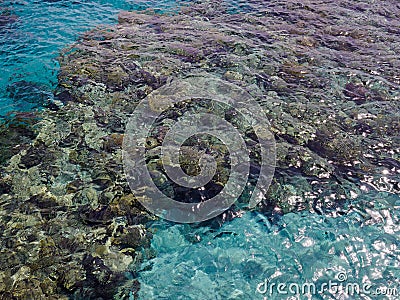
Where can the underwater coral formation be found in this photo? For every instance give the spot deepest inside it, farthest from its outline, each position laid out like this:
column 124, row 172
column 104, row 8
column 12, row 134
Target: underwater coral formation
column 326, row 77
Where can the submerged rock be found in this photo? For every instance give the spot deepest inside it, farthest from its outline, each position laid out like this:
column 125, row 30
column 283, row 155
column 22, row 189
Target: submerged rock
column 16, row 132
column 322, row 136
column 6, row 16
column 38, row 95
column 72, row 227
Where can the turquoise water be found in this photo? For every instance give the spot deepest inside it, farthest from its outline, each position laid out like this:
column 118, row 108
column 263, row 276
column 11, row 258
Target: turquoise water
column 33, row 33
column 233, row 261
column 37, row 30
column 356, row 249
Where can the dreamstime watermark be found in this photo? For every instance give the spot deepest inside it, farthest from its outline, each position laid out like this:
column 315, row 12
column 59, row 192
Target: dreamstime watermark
column 176, row 93
column 339, row 286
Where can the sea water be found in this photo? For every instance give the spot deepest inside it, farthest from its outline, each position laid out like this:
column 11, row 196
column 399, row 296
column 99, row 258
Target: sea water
column 250, row 257
column 36, row 31
column 312, row 256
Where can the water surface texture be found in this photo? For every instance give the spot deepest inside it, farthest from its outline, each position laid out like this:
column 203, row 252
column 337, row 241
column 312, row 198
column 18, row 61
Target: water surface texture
column 324, row 72
column 231, row 262
column 32, row 33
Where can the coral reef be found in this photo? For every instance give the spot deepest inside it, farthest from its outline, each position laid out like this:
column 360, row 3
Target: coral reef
column 72, row 228
column 332, row 107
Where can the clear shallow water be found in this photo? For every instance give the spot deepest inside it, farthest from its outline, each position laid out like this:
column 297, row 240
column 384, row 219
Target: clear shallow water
column 360, row 248
column 226, row 263
column 34, row 34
